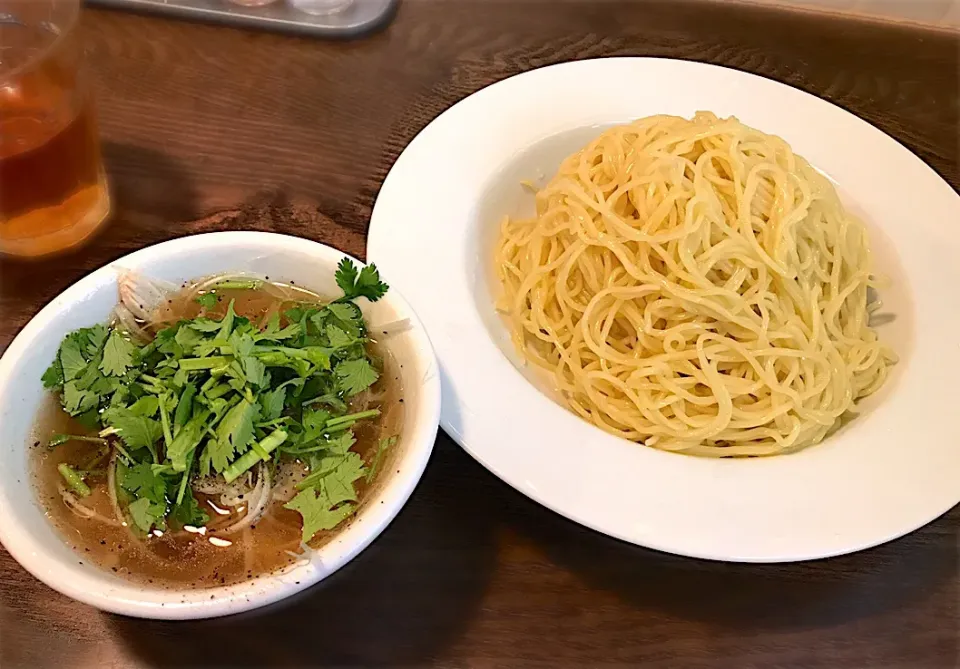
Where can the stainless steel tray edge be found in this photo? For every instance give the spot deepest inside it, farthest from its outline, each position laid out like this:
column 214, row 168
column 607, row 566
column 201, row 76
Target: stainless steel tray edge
column 361, row 18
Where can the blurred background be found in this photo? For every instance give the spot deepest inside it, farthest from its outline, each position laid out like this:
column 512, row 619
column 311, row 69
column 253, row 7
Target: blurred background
column 945, row 13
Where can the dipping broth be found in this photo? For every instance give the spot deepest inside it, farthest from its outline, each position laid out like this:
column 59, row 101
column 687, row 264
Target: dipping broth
column 212, row 554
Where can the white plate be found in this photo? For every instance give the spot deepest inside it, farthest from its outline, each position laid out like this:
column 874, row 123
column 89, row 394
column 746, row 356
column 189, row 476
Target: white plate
column 887, row 473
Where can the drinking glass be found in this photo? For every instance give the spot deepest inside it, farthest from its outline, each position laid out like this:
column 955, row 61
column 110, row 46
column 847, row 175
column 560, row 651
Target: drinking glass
column 53, row 190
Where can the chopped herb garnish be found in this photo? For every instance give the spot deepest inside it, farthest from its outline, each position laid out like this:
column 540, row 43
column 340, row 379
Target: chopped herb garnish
column 218, row 396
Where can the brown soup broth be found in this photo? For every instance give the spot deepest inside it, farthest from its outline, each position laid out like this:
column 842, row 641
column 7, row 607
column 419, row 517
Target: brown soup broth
column 181, row 558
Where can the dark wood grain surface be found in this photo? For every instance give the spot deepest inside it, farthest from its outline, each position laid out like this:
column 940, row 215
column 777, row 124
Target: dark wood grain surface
column 232, row 129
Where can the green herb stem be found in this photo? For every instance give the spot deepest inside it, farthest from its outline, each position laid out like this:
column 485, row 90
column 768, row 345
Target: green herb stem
column 59, row 439
column 238, row 284
column 218, row 391
column 266, row 445
column 165, row 423
column 196, row 364
column 73, row 479
column 123, row 453
column 389, row 442
column 350, row 419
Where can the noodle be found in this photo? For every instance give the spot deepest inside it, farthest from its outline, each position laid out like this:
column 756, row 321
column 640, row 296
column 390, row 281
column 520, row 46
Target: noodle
column 695, row 286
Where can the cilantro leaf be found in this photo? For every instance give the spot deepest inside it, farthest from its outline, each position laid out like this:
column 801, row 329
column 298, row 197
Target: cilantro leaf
column 53, row 377
column 338, row 484
column 338, row 338
column 94, row 337
column 188, row 438
column 345, row 312
column 355, row 376
column 77, row 401
column 146, row 514
column 204, row 325
column 188, row 338
column 254, row 370
column 369, row 284
column 141, row 480
column 271, row 403
column 188, row 512
column 145, row 406
column 136, row 431
column 341, row 443
column 117, row 355
column 317, row 513
column 234, row 433
column 346, row 277
column 207, row 300
column 226, row 324
column 274, row 333
column 71, row 358
column 314, row 421
column 365, row 284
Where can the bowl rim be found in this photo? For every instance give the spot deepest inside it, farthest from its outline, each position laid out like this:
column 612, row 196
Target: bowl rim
column 181, row 603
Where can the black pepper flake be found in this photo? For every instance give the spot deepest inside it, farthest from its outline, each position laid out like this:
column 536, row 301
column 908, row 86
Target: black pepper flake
column 114, row 568
column 103, row 542
column 36, row 443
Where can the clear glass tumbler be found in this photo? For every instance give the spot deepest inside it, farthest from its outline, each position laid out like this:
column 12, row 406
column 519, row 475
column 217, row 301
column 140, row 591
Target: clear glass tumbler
column 53, row 190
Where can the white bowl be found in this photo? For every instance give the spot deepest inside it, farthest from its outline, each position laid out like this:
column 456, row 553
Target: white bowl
column 35, row 543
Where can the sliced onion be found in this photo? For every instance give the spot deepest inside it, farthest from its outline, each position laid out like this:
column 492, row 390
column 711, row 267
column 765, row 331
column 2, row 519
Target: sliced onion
column 142, row 295
column 262, row 494
column 288, row 476
column 80, row 509
column 112, row 491
column 130, row 324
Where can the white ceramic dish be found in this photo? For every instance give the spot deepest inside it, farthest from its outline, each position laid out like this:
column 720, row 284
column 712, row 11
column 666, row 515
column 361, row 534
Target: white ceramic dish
column 890, row 471
column 38, row 546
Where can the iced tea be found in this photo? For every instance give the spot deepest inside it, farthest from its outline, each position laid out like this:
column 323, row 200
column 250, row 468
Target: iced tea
column 53, row 192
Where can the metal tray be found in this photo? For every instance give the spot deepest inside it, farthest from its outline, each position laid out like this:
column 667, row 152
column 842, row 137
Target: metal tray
column 359, row 18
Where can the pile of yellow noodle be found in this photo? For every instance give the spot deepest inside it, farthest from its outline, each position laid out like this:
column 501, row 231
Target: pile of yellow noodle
column 695, row 286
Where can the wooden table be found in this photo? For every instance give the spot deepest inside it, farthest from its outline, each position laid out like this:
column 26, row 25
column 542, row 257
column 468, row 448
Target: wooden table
column 249, row 130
